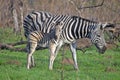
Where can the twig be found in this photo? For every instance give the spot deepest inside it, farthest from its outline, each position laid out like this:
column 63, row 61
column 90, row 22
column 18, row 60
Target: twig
column 11, row 46
column 62, row 70
column 18, row 43
column 72, row 2
column 93, row 6
column 112, row 10
column 8, row 77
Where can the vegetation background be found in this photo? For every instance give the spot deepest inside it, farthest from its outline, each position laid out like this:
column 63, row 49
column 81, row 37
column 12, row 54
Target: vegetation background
column 109, row 11
column 92, row 66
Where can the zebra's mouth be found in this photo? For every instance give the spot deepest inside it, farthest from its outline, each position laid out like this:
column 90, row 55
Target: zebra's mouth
column 102, row 51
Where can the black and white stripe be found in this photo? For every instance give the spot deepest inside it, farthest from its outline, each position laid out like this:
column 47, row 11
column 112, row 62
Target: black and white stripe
column 34, row 21
column 74, row 27
column 36, row 38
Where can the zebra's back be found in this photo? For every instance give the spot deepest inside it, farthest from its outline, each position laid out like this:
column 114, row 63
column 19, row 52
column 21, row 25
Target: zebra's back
column 40, row 38
column 34, row 21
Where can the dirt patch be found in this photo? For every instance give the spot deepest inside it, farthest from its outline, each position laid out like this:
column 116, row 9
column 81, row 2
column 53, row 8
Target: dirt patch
column 13, row 62
column 110, row 69
column 67, row 61
column 83, row 43
column 111, row 45
column 108, row 57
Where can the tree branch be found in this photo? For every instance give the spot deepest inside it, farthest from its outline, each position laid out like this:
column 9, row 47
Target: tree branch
column 79, row 8
column 93, row 6
column 113, row 10
column 11, row 46
column 72, row 2
column 18, row 43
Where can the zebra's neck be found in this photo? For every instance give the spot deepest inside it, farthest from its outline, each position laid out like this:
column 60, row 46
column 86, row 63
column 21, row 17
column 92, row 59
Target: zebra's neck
column 81, row 28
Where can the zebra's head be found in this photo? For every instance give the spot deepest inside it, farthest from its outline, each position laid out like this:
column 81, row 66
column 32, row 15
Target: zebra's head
column 58, row 30
column 97, row 37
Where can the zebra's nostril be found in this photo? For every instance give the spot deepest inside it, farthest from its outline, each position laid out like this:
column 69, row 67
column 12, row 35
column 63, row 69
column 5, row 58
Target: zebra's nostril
column 104, row 47
column 102, row 51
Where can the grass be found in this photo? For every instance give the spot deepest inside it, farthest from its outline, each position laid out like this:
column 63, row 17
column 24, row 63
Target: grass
column 92, row 66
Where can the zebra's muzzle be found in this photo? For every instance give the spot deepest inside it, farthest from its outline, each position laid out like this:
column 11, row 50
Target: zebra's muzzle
column 102, row 51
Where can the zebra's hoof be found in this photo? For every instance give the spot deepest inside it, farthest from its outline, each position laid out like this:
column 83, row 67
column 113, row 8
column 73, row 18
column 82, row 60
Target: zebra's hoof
column 50, row 68
column 76, row 68
column 28, row 67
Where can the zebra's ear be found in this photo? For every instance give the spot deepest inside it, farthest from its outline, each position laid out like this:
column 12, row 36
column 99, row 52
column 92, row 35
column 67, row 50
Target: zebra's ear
column 53, row 23
column 101, row 26
column 107, row 25
column 61, row 24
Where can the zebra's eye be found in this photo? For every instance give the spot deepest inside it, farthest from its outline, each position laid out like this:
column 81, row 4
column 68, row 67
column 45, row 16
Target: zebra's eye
column 98, row 35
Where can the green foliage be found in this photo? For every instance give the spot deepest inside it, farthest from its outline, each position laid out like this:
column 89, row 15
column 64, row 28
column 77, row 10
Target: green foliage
column 92, row 65
column 7, row 35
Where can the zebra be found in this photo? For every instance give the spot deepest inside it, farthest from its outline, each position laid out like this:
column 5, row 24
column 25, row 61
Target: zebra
column 74, row 27
column 42, row 39
column 33, row 23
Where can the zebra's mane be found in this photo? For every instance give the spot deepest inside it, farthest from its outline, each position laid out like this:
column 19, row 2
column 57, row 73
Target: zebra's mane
column 91, row 21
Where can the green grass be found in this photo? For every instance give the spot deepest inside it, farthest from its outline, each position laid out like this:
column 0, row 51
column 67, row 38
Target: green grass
column 92, row 66
column 7, row 35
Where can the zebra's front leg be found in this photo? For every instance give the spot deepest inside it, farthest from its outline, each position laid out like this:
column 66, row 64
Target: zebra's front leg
column 30, row 59
column 73, row 50
column 54, row 48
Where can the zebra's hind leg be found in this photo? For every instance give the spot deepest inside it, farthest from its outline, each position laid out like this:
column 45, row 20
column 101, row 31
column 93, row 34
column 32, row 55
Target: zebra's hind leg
column 73, row 50
column 30, row 59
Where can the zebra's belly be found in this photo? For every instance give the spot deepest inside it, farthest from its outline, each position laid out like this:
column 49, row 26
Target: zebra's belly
column 68, row 41
column 43, row 44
